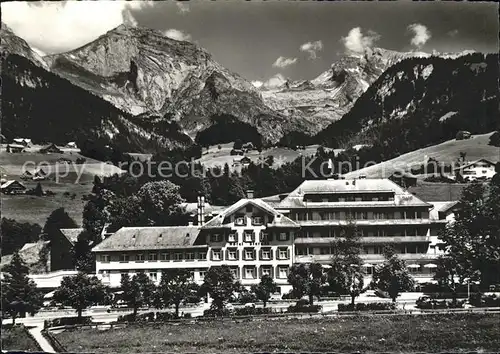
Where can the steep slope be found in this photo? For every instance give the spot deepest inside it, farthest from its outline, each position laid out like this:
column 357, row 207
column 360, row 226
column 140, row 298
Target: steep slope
column 47, row 108
column 420, row 102
column 156, row 78
column 329, row 96
column 15, row 45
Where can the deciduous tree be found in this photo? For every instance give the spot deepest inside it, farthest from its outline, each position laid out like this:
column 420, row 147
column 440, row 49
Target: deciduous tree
column 220, row 284
column 306, row 279
column 176, row 285
column 264, row 289
column 138, row 291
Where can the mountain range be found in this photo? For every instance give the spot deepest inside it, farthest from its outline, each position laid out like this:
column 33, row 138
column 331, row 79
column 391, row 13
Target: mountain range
column 136, row 88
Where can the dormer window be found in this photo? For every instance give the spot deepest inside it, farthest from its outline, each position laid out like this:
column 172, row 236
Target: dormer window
column 283, row 236
column 215, row 238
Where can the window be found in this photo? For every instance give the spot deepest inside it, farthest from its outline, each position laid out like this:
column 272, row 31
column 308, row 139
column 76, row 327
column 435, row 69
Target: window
column 153, row 276
column 139, row 257
column 266, row 254
column 216, row 255
column 105, row 258
column 283, row 254
column 283, row 272
column 202, row 256
column 231, row 255
column 189, row 256
column 249, row 273
column 240, row 220
column 264, row 237
column 124, row 258
column 177, row 256
column 234, row 271
column 283, row 236
column 202, row 274
column 216, row 238
column 362, row 215
column 165, row 257
column 152, row 257
column 248, row 236
column 105, row 274
column 266, row 271
column 248, row 254
column 257, row 220
column 231, row 238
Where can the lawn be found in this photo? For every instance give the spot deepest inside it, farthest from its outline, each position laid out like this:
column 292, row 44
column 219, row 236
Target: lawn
column 17, row 339
column 399, row 333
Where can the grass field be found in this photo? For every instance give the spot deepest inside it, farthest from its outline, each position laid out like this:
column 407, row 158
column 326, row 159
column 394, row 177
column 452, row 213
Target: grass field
column 400, row 333
column 17, row 339
column 476, row 148
column 437, row 192
column 72, row 178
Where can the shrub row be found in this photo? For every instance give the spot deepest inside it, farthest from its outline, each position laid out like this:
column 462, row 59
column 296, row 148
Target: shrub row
column 150, row 317
column 426, row 303
column 67, row 321
column 372, row 306
column 304, row 308
column 480, row 300
column 251, row 311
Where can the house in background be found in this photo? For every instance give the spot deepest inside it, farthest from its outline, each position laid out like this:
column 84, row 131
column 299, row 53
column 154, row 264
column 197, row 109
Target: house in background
column 13, row 187
column 35, row 175
column 22, row 141
column 61, row 257
column 480, row 169
column 71, row 145
column 404, row 179
column 50, row 149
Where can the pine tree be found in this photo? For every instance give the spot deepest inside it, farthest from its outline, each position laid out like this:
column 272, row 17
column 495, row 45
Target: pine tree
column 58, row 219
column 19, row 292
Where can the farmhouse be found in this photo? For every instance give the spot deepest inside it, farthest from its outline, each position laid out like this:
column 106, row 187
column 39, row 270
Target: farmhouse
column 71, row 145
column 463, row 135
column 13, row 187
column 35, row 175
column 50, row 149
column 22, row 141
column 479, row 169
column 257, row 237
column 15, row 148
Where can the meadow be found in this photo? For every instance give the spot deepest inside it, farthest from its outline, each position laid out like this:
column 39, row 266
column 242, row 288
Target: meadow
column 17, row 339
column 365, row 333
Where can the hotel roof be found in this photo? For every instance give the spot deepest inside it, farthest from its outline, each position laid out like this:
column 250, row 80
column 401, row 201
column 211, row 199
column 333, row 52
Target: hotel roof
column 279, row 219
column 150, row 238
column 365, row 185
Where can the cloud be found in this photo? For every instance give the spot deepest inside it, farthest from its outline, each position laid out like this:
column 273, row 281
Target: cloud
column 182, row 7
column 61, row 26
column 312, row 48
column 357, row 42
column 283, row 62
column 176, row 34
column 420, row 34
column 452, row 33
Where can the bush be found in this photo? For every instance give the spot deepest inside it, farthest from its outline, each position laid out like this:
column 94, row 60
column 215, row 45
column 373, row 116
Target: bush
column 251, row 311
column 289, row 295
column 126, row 318
column 304, row 309
column 373, row 306
column 427, row 303
column 67, row 321
column 480, row 300
column 165, row 316
column 187, row 315
column 217, row 313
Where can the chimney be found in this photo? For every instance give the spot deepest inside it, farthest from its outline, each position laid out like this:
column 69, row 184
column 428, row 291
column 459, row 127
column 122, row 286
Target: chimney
column 201, row 210
column 250, row 194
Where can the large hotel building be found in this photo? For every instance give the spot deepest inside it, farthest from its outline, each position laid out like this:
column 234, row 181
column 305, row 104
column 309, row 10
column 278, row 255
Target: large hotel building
column 265, row 236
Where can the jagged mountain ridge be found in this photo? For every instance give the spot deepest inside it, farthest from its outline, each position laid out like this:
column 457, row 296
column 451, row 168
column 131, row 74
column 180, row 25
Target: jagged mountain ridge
column 38, row 104
column 156, row 78
column 329, row 96
column 420, row 102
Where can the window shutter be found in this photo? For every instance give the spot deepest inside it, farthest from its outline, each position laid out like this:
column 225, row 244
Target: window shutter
column 211, row 255
column 254, row 272
column 254, row 254
column 271, row 254
column 238, row 254
column 227, row 254
column 288, row 254
column 260, row 254
column 271, row 272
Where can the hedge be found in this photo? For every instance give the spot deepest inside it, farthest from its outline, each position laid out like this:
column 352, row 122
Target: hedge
column 252, row 311
column 67, row 321
column 480, row 300
column 304, row 308
column 372, row 306
column 426, row 303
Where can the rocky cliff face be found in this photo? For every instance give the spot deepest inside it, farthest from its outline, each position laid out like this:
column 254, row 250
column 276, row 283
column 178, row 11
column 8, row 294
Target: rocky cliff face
column 11, row 43
column 156, row 78
column 329, row 96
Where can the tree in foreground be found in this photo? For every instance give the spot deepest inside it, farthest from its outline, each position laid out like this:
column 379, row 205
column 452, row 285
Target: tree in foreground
column 264, row 289
column 220, row 284
column 472, row 240
column 137, row 291
column 449, row 275
column 345, row 275
column 176, row 286
column 306, row 279
column 80, row 292
column 19, row 292
column 392, row 276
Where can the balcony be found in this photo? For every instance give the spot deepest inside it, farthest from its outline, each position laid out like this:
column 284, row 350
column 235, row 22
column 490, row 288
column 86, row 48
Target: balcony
column 365, row 222
column 326, row 258
column 364, row 240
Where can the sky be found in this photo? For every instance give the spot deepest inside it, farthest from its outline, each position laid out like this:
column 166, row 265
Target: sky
column 263, row 39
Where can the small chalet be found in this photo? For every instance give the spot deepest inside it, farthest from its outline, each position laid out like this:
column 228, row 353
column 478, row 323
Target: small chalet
column 51, row 149
column 479, row 169
column 71, row 145
column 22, row 141
column 13, row 187
column 404, row 179
column 463, row 134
